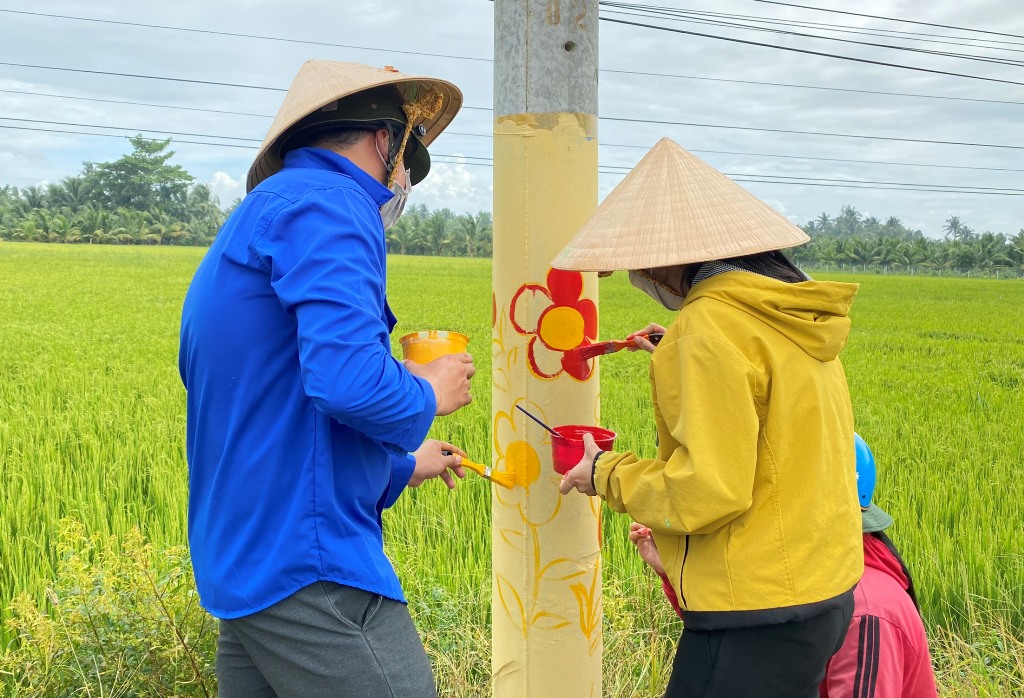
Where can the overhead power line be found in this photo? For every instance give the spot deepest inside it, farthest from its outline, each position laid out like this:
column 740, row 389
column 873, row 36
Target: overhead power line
column 695, row 124
column 820, row 159
column 605, row 70
column 891, row 19
column 240, row 35
column 607, row 145
column 814, row 87
column 902, row 34
column 804, row 35
column 692, row 124
column 143, row 77
column 617, row 170
column 138, row 104
column 786, row 27
column 418, row 53
column 132, row 130
column 808, row 52
column 123, row 136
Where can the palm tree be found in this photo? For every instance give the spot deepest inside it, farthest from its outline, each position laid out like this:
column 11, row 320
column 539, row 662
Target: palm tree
column 827, row 251
column 886, row 252
column 133, row 226
column 70, row 191
column 473, row 234
column 923, row 253
column 956, row 230
column 848, row 222
column 990, row 252
column 859, row 251
column 824, row 224
column 63, row 230
column 438, row 231
column 34, row 197
column 894, row 226
column 28, row 230
column 485, row 239
column 1016, row 251
column 92, row 221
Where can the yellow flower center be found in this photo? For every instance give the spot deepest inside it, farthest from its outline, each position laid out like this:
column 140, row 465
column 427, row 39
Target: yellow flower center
column 522, row 459
column 562, row 328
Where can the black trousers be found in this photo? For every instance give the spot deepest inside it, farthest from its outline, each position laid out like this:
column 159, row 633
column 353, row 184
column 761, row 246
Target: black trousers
column 785, row 660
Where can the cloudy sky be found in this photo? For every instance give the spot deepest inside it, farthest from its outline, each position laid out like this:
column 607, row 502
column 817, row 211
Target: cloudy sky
column 373, row 31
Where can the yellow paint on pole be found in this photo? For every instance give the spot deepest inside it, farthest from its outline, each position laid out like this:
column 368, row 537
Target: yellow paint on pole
column 546, row 548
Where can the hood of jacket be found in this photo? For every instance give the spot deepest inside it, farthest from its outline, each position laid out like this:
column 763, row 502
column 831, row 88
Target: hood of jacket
column 812, row 314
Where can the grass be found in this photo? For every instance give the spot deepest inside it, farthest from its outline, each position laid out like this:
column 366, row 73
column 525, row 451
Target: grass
column 92, row 424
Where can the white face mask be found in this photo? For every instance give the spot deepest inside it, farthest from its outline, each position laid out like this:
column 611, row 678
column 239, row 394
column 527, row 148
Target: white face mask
column 670, row 300
column 392, row 210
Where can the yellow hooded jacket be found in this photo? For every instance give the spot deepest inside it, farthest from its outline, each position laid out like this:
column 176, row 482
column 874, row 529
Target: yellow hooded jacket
column 752, row 497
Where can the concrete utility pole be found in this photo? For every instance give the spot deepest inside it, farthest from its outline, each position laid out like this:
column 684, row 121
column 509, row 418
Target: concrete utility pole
column 546, row 548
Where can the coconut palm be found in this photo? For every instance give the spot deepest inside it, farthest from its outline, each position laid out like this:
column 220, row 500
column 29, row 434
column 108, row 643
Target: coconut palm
column 72, row 192
column 438, row 232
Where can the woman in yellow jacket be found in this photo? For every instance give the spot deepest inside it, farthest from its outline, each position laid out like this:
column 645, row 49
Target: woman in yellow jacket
column 752, row 495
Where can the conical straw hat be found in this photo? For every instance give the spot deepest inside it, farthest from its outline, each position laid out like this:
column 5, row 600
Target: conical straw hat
column 319, row 83
column 674, row 208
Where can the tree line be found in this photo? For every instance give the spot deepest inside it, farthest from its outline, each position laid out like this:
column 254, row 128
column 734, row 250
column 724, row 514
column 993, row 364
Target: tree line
column 144, row 199
column 441, row 233
column 851, row 240
column 139, row 199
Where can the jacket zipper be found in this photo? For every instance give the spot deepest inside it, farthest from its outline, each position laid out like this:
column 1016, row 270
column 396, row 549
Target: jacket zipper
column 686, row 551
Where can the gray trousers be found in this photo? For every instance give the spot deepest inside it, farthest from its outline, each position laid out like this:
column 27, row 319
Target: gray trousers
column 324, row 641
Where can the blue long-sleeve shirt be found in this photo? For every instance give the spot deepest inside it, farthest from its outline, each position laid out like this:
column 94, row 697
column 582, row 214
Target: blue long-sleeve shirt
column 300, row 421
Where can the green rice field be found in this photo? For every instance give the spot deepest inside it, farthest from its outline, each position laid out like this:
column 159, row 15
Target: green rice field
column 92, row 416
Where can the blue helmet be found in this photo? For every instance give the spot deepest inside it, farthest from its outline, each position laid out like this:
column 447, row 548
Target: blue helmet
column 865, row 471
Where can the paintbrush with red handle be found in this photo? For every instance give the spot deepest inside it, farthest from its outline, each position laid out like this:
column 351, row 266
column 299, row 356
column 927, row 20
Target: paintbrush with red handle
column 592, row 351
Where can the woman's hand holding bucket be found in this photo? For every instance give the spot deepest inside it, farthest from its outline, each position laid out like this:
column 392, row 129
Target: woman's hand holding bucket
column 581, row 476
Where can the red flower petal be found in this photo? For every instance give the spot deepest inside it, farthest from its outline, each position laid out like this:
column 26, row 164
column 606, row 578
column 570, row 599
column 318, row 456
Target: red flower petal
column 576, row 367
column 588, row 310
column 531, row 356
column 566, row 286
column 514, row 306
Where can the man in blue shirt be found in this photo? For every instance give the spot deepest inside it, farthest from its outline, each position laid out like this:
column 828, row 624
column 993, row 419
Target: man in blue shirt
column 302, row 427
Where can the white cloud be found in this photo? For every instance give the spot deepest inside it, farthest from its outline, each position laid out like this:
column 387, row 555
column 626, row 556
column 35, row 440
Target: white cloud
column 456, row 186
column 465, row 28
column 225, row 188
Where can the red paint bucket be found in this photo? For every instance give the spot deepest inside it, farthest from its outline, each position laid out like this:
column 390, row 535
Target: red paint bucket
column 567, row 451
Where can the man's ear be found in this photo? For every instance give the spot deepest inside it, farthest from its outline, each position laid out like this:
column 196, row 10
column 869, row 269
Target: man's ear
column 381, row 138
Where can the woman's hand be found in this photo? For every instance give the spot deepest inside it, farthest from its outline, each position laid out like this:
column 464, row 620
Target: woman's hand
column 640, row 338
column 581, row 477
column 640, row 536
column 435, row 459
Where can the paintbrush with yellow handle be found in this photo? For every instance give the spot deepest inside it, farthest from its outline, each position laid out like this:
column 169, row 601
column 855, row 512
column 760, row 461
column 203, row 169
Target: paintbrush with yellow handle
column 505, row 478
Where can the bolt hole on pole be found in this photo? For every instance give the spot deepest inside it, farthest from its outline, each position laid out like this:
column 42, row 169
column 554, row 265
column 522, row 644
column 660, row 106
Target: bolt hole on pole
column 569, row 46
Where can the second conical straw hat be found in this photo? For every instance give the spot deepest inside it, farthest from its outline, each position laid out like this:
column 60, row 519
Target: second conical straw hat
column 674, row 208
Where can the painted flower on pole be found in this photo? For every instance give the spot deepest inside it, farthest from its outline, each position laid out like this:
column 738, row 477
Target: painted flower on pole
column 565, row 323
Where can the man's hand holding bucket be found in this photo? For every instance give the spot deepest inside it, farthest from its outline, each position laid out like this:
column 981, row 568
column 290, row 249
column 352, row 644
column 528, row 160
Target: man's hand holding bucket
column 449, row 376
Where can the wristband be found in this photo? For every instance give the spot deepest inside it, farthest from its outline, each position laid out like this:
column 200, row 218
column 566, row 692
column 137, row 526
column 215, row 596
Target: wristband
column 593, row 469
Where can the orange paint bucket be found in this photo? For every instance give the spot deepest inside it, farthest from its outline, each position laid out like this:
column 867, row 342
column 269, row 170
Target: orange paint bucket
column 424, row 347
column 568, row 450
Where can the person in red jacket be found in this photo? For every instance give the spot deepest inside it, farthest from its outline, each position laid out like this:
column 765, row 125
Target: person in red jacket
column 885, row 654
